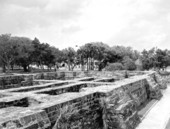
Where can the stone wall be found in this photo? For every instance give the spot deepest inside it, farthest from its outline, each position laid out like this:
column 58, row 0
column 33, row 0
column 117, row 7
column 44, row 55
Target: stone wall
column 69, row 88
column 113, row 106
column 88, row 112
column 122, row 104
column 71, row 75
column 58, row 75
column 13, row 81
column 26, row 120
column 39, row 86
column 119, row 109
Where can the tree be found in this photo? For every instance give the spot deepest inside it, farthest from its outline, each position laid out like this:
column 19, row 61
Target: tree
column 128, row 63
column 125, row 51
column 114, row 67
column 43, row 54
column 47, row 56
column 102, row 54
column 89, row 50
column 24, row 57
column 8, row 51
column 70, row 57
column 82, row 57
column 95, row 51
column 146, row 60
column 37, row 52
column 162, row 58
column 155, row 58
column 58, row 56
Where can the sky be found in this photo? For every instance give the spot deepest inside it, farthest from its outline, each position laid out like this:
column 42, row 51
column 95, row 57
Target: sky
column 141, row 24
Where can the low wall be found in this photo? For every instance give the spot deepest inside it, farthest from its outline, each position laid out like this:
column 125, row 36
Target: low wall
column 113, row 106
column 20, row 80
column 13, row 81
column 57, row 75
column 118, row 105
column 69, row 88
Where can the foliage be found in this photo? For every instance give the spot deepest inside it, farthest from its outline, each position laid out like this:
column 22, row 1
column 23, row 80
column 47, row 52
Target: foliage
column 86, row 54
column 44, row 54
column 59, row 56
column 69, row 56
column 8, row 51
column 114, row 66
column 65, row 114
column 96, row 51
column 126, row 74
column 122, row 51
column 23, row 52
column 155, row 58
column 128, row 63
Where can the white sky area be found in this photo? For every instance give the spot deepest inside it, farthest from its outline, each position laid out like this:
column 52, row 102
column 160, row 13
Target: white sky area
column 141, row 24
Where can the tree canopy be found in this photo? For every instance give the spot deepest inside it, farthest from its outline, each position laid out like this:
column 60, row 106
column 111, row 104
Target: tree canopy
column 24, row 52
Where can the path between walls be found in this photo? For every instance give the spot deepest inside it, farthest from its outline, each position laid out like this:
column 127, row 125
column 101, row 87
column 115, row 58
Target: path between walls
column 158, row 116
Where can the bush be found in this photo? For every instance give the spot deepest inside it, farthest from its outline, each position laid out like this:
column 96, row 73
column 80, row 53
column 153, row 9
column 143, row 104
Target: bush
column 114, row 66
column 129, row 64
column 126, row 74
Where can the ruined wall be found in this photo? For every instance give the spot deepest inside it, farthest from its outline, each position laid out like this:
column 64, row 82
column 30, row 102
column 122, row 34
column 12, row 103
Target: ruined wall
column 122, row 104
column 71, row 75
column 88, row 112
column 13, row 81
column 118, row 107
column 69, row 88
column 113, row 106
column 26, row 120
column 57, row 75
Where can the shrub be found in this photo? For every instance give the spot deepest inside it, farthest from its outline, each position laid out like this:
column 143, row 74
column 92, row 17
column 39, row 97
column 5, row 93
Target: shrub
column 129, row 64
column 126, row 74
column 114, row 66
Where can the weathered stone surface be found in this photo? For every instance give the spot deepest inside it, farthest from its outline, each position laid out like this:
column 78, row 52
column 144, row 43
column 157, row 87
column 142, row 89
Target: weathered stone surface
column 26, row 119
column 161, row 81
column 14, row 81
column 113, row 105
column 155, row 92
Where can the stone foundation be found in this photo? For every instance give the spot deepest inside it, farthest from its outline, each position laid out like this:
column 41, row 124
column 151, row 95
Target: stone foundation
column 82, row 103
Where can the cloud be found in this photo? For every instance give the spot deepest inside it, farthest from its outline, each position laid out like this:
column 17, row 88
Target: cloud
column 65, row 9
column 24, row 4
column 148, row 28
column 18, row 15
column 62, row 23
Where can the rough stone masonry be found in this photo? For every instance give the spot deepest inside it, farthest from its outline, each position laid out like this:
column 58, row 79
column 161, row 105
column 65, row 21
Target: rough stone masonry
column 76, row 100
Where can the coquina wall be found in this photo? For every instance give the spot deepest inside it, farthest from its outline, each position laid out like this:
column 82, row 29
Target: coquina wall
column 113, row 106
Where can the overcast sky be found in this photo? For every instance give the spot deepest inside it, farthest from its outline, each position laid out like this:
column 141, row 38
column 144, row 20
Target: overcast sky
column 63, row 23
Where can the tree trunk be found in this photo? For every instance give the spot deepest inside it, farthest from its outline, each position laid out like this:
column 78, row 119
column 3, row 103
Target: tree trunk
column 93, row 64
column 90, row 64
column 56, row 67
column 25, row 68
column 87, row 64
column 12, row 67
column 100, row 66
column 4, row 68
column 69, row 67
column 8, row 67
column 82, row 66
column 42, row 68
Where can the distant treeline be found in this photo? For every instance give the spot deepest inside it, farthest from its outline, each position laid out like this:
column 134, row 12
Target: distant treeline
column 24, row 52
